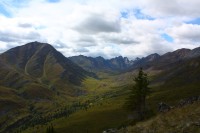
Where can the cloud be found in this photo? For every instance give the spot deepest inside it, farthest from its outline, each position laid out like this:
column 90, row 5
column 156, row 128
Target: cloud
column 118, row 39
column 86, row 41
column 7, row 36
column 187, row 34
column 97, row 23
column 25, row 25
column 171, row 8
column 81, row 50
column 102, row 28
column 58, row 44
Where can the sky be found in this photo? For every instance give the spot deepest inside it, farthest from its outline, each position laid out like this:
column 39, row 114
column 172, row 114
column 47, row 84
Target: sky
column 108, row 28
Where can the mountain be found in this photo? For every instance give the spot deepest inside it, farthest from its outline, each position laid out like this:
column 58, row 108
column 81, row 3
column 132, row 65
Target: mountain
column 141, row 62
column 162, row 62
column 36, row 75
column 123, row 64
column 100, row 64
column 177, row 68
column 40, row 62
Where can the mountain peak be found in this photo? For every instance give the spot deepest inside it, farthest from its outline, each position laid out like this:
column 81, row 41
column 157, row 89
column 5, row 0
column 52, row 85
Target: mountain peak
column 41, row 60
column 182, row 52
column 194, row 53
column 152, row 57
column 36, row 45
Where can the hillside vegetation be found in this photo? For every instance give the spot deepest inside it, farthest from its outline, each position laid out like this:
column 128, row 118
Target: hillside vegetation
column 179, row 120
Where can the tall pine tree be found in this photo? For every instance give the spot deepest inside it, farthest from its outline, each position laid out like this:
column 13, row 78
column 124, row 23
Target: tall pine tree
column 137, row 98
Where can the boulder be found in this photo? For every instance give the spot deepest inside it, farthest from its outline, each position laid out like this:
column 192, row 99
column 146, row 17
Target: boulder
column 163, row 107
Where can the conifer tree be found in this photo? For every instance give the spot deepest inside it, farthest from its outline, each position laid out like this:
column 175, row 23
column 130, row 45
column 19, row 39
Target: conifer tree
column 137, row 98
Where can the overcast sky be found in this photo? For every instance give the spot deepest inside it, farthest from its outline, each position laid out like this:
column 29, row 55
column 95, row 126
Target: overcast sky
column 107, row 28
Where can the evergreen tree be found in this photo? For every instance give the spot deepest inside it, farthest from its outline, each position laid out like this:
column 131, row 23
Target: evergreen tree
column 137, row 99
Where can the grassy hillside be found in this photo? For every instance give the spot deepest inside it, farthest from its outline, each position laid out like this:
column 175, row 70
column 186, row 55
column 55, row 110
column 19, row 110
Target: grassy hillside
column 180, row 120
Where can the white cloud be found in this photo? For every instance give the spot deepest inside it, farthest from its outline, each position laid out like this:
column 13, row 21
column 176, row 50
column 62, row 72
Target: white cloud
column 185, row 35
column 97, row 28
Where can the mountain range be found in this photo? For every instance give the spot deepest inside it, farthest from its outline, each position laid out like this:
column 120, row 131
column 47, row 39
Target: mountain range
column 123, row 64
column 37, row 79
column 100, row 64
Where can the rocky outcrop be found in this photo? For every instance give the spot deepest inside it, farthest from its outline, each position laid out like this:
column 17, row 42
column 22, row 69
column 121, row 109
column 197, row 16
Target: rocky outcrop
column 163, row 107
column 187, row 101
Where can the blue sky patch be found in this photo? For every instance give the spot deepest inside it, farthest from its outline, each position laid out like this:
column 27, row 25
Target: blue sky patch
column 167, row 37
column 53, row 1
column 4, row 11
column 124, row 14
column 195, row 21
column 139, row 15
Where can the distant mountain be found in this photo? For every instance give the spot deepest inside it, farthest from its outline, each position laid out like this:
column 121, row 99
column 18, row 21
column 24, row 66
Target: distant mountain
column 173, row 68
column 155, row 61
column 141, row 62
column 100, row 64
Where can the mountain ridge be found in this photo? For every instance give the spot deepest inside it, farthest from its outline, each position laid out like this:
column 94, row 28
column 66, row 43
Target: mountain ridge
column 100, row 64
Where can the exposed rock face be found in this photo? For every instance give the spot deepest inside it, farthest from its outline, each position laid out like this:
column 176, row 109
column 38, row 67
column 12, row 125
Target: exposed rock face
column 100, row 64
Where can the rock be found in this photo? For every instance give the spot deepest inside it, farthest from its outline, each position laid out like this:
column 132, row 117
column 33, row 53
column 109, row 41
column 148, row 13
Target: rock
column 163, row 107
column 187, row 101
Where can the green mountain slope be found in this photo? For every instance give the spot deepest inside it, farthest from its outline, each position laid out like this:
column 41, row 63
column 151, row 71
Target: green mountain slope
column 37, row 76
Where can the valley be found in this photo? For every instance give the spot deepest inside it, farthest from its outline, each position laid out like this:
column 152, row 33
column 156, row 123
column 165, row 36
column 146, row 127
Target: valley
column 39, row 87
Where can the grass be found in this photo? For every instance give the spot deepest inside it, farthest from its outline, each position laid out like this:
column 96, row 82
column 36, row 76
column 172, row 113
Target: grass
column 180, row 120
column 106, row 109
column 108, row 113
column 12, row 107
column 95, row 120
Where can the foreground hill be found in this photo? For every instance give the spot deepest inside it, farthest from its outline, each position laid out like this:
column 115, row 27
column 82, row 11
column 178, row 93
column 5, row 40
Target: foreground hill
column 180, row 120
